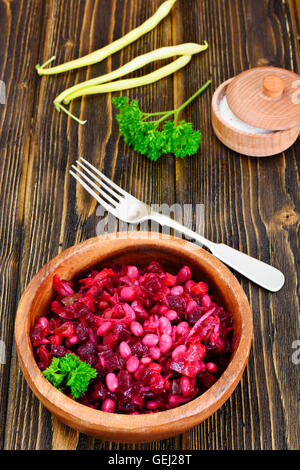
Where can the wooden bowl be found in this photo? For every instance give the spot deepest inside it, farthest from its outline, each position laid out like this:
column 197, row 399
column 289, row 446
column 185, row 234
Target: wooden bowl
column 139, row 249
column 253, row 145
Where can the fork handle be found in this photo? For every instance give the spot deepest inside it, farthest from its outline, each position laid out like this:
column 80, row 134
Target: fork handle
column 260, row 273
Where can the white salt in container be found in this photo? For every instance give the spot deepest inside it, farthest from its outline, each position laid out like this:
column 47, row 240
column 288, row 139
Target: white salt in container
column 257, row 113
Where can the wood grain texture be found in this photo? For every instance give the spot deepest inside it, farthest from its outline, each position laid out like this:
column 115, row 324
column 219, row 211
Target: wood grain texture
column 20, row 27
column 250, row 204
column 296, row 9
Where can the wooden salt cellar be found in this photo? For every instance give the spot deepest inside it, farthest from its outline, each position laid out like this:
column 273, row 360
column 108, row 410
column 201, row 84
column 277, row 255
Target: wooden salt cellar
column 265, row 98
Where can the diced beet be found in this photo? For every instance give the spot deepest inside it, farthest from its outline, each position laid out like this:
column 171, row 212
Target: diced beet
column 122, row 332
column 99, row 391
column 175, row 366
column 139, row 349
column 127, row 407
column 53, row 324
column 82, row 332
column 87, row 352
column 125, row 379
column 111, row 361
column 151, row 283
column 157, row 384
column 58, row 350
column 205, row 380
column 195, row 314
column 154, row 267
column 36, row 335
column 91, row 320
column 176, row 302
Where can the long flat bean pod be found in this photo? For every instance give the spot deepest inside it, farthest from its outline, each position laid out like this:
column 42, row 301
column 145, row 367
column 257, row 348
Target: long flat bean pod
column 115, row 46
column 129, row 83
column 138, row 62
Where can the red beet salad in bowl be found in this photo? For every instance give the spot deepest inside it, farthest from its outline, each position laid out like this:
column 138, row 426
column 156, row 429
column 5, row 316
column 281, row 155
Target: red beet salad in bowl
column 133, row 340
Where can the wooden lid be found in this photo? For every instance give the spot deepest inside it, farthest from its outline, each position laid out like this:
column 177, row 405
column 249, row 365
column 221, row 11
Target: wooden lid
column 266, row 97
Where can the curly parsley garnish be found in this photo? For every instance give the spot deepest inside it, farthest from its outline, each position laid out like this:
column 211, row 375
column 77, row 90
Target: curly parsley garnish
column 154, row 138
column 70, row 372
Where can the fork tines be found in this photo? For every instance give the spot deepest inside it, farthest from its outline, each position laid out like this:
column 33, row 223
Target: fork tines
column 97, row 184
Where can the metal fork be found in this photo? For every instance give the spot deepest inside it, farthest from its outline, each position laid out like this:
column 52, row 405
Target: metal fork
column 129, row 209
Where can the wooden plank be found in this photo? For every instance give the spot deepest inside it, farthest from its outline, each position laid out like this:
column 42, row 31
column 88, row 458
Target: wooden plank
column 59, row 213
column 296, row 7
column 19, row 46
column 251, row 204
column 247, row 201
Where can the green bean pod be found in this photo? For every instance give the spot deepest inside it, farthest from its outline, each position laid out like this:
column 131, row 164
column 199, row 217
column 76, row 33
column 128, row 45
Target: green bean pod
column 163, row 53
column 128, row 83
column 115, row 46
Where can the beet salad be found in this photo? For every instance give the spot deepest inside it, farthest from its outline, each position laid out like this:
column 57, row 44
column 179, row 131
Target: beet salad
column 131, row 339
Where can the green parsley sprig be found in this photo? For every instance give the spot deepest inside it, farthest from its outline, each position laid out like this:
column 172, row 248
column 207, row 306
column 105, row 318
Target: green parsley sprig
column 70, row 372
column 154, row 138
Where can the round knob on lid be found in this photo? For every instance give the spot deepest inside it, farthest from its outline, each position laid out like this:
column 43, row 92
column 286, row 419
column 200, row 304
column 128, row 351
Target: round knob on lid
column 266, row 97
column 273, row 86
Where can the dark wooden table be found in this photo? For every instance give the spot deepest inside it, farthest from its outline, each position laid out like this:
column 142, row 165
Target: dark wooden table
column 251, row 204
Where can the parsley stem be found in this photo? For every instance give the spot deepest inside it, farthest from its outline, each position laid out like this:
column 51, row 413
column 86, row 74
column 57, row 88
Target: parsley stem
column 147, row 115
column 166, row 114
column 187, row 102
